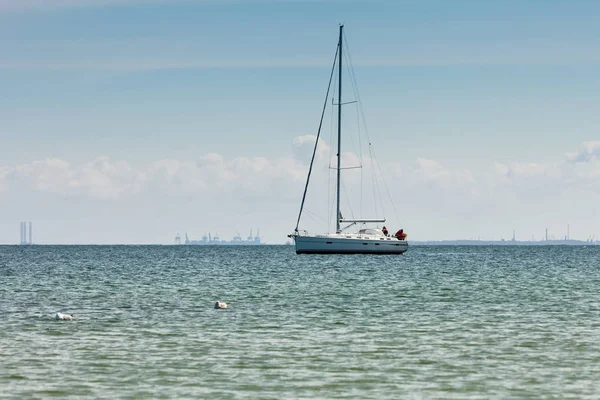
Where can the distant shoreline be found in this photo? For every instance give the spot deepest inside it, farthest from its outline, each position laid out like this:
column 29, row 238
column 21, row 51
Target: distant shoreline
column 504, row 243
column 412, row 243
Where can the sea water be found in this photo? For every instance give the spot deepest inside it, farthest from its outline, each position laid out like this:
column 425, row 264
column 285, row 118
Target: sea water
column 438, row 322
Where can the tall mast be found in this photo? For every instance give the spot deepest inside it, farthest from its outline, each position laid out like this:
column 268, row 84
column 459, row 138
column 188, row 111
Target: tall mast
column 339, row 149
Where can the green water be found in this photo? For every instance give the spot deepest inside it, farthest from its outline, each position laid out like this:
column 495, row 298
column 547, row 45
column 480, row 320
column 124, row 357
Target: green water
column 438, row 322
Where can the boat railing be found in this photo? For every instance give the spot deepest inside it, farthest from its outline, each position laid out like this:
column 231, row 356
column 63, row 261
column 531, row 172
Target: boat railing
column 299, row 233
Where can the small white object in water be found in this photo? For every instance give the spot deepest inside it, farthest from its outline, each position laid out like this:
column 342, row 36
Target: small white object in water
column 64, row 317
column 220, row 304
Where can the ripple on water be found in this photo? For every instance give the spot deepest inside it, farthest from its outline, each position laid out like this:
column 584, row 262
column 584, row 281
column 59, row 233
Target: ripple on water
column 466, row 322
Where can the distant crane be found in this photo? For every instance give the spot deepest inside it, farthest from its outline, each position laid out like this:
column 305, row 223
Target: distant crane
column 177, row 239
column 187, row 239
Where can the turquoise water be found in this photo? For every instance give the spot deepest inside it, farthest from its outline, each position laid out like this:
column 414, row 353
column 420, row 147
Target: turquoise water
column 438, row 322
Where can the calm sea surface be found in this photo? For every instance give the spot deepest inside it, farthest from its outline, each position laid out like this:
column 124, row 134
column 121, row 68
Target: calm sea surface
column 438, row 322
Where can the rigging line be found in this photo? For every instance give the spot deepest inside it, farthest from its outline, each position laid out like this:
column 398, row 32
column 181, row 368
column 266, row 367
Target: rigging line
column 355, row 167
column 316, row 220
column 329, row 191
column 352, row 74
column 360, row 157
column 332, row 120
column 350, row 70
column 375, row 163
column 380, row 199
column 315, row 216
column 348, row 200
column 361, row 189
column 350, row 137
column 354, row 84
column 388, row 192
column 331, row 207
column 374, row 178
column 330, row 155
column 317, row 141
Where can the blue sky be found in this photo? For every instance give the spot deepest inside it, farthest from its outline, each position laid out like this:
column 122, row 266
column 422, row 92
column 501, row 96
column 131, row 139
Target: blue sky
column 110, row 109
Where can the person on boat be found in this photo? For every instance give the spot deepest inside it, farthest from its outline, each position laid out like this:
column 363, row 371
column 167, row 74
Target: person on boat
column 384, row 231
column 401, row 235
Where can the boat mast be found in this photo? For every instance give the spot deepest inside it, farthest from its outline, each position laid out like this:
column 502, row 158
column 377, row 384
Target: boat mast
column 339, row 149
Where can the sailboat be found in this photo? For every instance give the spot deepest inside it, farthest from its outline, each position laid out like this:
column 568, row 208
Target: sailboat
column 365, row 240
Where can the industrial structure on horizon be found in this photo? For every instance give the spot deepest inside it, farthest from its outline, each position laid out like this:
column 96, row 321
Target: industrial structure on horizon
column 24, row 240
column 215, row 240
column 565, row 240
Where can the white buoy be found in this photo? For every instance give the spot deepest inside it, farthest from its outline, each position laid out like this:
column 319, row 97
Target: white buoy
column 64, row 317
column 220, row 305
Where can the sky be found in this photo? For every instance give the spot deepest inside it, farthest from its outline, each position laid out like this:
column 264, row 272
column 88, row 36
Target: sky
column 129, row 121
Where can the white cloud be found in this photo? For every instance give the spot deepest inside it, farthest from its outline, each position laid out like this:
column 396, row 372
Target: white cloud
column 103, row 178
column 590, row 151
column 99, row 178
column 425, row 192
column 430, row 172
column 303, row 146
column 255, row 176
column 211, row 159
column 428, row 164
column 578, row 170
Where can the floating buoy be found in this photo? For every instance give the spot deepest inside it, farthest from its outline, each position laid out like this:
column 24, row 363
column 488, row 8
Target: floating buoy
column 220, row 304
column 64, row 317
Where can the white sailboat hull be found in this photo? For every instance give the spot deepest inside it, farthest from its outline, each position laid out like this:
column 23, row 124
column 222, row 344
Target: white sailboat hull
column 350, row 244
